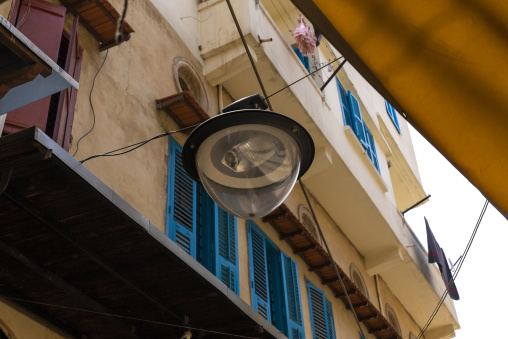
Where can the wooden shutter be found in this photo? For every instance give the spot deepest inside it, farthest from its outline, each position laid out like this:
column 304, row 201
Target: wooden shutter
column 67, row 101
column 303, row 59
column 258, row 271
column 226, row 245
column 181, row 202
column 43, row 25
column 393, row 115
column 321, row 314
column 344, row 104
column 292, row 298
column 357, row 119
column 372, row 148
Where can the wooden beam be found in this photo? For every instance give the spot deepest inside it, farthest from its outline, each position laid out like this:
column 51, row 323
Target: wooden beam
column 22, row 51
column 98, row 258
column 380, row 329
column 290, row 235
column 368, row 317
column 18, row 77
column 305, row 249
column 274, row 216
column 319, row 267
column 342, row 294
column 329, row 280
column 70, row 290
column 364, row 304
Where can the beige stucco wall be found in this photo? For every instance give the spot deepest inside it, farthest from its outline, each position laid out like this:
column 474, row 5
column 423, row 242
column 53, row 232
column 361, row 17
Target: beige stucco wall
column 19, row 324
column 134, row 75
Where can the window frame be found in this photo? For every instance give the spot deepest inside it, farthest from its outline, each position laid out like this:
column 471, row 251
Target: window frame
column 276, row 299
column 214, row 233
column 352, row 116
column 392, row 112
column 327, row 312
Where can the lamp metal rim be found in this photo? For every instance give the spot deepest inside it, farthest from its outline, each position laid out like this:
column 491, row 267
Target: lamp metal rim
column 247, row 117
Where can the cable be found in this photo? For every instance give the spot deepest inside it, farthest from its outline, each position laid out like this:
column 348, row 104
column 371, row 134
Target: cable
column 119, row 25
column 248, row 53
column 331, row 258
column 280, row 15
column 91, row 105
column 23, row 19
column 129, row 318
column 291, row 84
column 138, row 145
column 468, row 246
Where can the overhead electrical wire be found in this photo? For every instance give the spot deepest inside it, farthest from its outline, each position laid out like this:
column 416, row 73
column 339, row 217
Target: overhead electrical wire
column 466, row 250
column 291, row 84
column 197, row 329
column 136, row 145
column 119, row 36
column 303, row 189
column 91, row 104
column 350, row 304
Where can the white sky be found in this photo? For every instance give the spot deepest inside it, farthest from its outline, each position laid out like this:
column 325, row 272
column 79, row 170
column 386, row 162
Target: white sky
column 452, row 213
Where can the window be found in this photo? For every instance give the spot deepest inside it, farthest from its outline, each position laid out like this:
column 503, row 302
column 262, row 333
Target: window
column 393, row 114
column 274, row 284
column 308, row 221
column 303, row 59
column 321, row 314
column 42, row 22
column 187, row 79
column 198, row 225
column 357, row 278
column 353, row 117
column 392, row 318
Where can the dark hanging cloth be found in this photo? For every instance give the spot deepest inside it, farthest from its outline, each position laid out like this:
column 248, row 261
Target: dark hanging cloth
column 437, row 255
column 318, row 36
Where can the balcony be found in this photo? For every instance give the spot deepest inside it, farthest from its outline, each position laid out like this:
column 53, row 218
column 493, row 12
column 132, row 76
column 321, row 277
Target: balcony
column 26, row 73
column 354, row 195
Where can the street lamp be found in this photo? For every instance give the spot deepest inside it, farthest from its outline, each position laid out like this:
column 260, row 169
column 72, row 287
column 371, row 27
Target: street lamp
column 248, row 160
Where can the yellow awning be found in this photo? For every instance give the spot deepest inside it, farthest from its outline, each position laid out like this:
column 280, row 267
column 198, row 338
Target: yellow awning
column 444, row 64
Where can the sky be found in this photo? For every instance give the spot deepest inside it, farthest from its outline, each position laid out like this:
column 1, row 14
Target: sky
column 452, row 212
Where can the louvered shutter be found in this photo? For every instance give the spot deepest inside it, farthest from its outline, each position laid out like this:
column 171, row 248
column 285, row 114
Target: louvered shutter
column 321, row 314
column 344, row 104
column 292, row 298
column 226, row 245
column 258, row 271
column 393, row 114
column 303, row 59
column 329, row 320
column 357, row 120
column 181, row 202
column 372, row 148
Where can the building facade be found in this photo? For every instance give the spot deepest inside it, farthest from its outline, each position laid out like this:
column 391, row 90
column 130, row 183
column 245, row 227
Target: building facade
column 184, row 62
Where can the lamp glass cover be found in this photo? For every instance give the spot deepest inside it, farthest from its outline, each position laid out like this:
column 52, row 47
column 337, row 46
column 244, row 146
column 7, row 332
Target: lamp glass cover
column 249, row 169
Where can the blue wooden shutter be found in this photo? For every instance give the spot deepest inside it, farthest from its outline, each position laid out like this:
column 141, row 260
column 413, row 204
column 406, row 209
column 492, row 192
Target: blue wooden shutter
column 303, row 59
column 344, row 104
column 258, row 271
column 393, row 114
column 321, row 314
column 372, row 148
column 292, row 298
column 357, row 120
column 226, row 245
column 181, row 202
column 329, row 320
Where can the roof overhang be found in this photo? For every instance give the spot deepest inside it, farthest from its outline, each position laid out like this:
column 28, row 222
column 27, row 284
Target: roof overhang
column 27, row 74
column 443, row 65
column 73, row 252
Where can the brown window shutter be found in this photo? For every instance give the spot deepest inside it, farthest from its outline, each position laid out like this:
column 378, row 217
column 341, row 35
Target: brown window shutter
column 43, row 24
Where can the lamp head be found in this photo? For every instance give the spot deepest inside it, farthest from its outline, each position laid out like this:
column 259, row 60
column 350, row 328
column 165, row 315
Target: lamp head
column 248, row 160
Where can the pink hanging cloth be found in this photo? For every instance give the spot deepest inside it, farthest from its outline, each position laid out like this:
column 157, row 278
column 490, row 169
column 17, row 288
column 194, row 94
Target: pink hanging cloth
column 302, row 34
